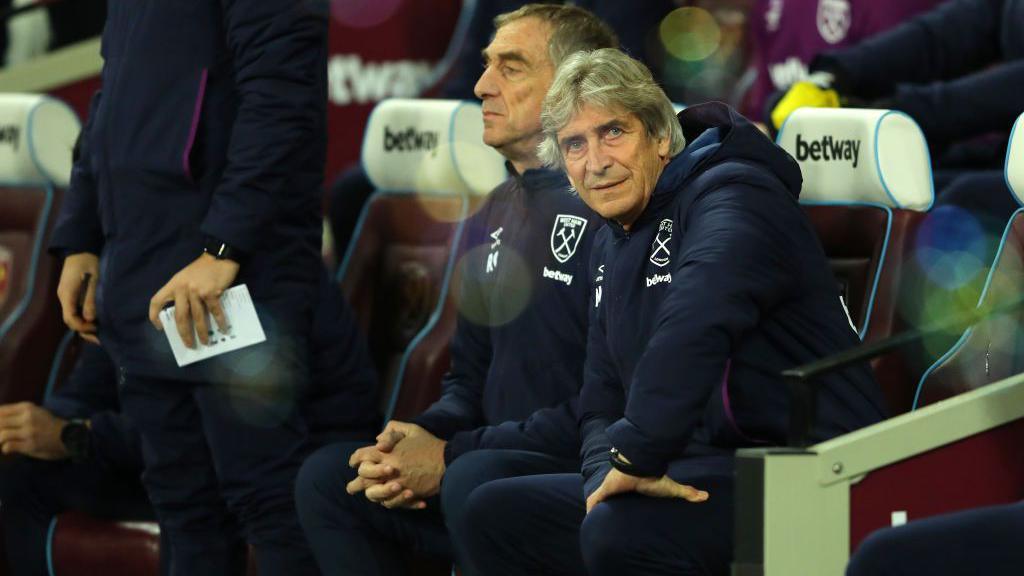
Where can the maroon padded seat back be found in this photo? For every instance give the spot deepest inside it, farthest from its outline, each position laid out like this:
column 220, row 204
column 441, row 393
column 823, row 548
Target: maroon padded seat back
column 394, row 276
column 853, row 238
column 428, row 362
column 30, row 318
column 991, row 350
column 864, row 243
column 429, row 357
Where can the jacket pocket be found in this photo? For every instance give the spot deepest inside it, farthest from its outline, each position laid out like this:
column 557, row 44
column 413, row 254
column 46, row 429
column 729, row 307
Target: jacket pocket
column 197, row 112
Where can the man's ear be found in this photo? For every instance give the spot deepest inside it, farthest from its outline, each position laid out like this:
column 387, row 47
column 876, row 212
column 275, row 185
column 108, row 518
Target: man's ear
column 663, row 147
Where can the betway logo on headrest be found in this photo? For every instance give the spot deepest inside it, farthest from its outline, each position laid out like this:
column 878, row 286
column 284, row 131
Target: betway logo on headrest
column 828, row 149
column 10, row 134
column 409, row 140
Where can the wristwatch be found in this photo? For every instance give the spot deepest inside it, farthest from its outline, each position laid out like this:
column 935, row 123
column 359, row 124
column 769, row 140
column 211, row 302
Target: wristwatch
column 75, row 437
column 221, row 250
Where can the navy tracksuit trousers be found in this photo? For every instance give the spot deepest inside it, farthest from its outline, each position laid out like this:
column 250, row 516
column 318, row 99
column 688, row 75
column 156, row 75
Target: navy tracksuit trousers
column 982, row 541
column 33, row 491
column 213, row 455
column 537, row 526
column 352, row 536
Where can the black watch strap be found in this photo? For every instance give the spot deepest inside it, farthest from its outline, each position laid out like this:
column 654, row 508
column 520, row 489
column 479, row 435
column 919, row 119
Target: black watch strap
column 221, row 250
column 76, row 437
column 620, row 463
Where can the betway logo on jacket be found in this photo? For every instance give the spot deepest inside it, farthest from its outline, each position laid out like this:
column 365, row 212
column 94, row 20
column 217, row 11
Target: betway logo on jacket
column 352, row 81
column 828, row 149
column 409, row 140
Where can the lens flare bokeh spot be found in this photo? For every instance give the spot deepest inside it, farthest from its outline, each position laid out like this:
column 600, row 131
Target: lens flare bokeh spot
column 484, row 306
column 952, row 248
column 690, row 34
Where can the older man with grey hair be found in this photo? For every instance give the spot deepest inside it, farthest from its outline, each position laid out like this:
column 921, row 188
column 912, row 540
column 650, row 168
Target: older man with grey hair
column 706, row 282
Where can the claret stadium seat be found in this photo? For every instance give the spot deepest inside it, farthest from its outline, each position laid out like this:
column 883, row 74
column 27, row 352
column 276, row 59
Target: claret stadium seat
column 991, row 350
column 806, row 510
column 428, row 162
column 37, row 135
column 867, row 187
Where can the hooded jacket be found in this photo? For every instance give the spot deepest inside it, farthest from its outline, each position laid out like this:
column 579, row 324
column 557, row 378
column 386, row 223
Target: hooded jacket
column 718, row 286
column 517, row 354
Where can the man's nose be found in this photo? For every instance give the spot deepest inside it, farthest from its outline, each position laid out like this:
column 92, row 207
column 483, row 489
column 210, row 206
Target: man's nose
column 597, row 160
column 486, row 86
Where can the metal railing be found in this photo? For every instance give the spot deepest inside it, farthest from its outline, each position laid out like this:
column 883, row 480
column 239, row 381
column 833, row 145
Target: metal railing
column 803, row 381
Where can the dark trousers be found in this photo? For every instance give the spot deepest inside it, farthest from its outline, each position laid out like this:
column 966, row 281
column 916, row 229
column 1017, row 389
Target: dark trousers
column 983, row 541
column 537, row 526
column 33, row 491
column 215, row 454
column 352, row 536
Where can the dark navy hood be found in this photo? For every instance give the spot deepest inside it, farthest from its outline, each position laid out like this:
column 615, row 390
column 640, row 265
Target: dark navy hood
column 715, row 134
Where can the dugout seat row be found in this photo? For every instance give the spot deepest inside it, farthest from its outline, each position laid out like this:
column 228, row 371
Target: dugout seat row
column 37, row 134
column 805, row 511
column 867, row 189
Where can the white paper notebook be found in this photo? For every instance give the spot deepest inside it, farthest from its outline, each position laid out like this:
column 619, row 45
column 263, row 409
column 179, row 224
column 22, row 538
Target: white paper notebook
column 244, row 328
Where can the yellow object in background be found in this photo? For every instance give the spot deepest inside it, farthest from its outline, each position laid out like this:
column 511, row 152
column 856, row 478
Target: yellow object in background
column 803, row 94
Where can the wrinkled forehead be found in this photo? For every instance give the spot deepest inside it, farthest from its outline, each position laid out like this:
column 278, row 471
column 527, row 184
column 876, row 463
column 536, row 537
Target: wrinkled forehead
column 592, row 117
column 525, row 40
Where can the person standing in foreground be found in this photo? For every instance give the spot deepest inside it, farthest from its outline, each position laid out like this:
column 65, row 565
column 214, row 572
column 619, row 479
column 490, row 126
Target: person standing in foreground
column 199, row 168
column 706, row 282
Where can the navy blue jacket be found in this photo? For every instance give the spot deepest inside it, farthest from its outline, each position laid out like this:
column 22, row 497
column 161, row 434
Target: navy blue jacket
column 342, row 403
column 719, row 285
column 517, row 354
column 957, row 69
column 211, row 121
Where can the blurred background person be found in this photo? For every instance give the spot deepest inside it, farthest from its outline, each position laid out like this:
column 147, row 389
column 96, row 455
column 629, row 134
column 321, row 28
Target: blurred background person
column 785, row 35
column 957, row 71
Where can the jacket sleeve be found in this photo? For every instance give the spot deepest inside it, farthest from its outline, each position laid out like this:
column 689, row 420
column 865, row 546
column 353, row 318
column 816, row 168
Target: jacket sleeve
column 986, row 101
column 91, row 393
column 78, row 227
column 602, row 403
column 552, row 430
column 735, row 261
column 602, row 400
column 279, row 53
column 955, row 38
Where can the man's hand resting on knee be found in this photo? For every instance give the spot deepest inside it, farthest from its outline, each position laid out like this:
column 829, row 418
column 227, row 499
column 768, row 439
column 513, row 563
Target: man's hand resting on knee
column 402, row 470
column 28, row 429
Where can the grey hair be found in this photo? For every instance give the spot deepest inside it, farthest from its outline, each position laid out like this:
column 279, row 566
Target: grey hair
column 572, row 29
column 610, row 79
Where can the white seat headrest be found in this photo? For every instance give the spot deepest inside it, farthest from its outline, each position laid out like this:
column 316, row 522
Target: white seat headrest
column 851, row 155
column 37, row 137
column 1015, row 161
column 430, row 147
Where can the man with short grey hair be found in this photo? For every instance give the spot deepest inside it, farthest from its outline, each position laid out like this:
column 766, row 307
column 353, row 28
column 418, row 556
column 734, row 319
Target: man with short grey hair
column 706, row 282
column 509, row 402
